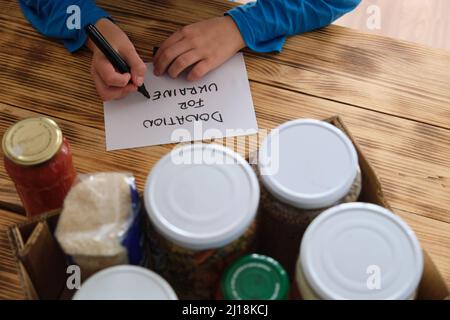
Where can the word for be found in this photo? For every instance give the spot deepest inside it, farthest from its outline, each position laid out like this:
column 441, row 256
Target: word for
column 156, row 95
column 180, row 120
column 191, row 104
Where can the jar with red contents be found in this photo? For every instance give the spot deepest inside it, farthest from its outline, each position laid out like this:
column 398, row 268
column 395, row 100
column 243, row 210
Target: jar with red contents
column 39, row 161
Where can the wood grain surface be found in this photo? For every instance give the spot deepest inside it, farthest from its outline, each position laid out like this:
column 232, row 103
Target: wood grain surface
column 393, row 96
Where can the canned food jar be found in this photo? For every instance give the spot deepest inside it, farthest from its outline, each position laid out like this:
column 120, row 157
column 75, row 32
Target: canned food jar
column 304, row 166
column 359, row 251
column 254, row 277
column 39, row 161
column 202, row 201
column 125, row 283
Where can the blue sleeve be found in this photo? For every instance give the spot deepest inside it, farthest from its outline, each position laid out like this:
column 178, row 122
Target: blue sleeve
column 265, row 24
column 50, row 18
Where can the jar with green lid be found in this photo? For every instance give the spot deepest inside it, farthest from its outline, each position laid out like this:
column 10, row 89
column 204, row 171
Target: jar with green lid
column 202, row 201
column 359, row 251
column 304, row 167
column 254, row 277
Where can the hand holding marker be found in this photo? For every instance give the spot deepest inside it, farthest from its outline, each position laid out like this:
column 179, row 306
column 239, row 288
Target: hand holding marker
column 111, row 54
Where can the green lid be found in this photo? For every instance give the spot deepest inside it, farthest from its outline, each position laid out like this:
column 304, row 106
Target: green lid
column 255, row 277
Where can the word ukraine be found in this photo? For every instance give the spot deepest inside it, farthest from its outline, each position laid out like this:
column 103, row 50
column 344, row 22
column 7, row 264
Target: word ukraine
column 194, row 90
column 193, row 103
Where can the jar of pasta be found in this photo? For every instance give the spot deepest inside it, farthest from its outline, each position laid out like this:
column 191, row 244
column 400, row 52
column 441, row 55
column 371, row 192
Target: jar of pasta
column 304, row 167
column 359, row 251
column 254, row 277
column 201, row 201
column 125, row 283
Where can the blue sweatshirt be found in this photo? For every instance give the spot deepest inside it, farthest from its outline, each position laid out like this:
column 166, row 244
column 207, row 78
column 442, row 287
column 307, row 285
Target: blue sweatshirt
column 264, row 24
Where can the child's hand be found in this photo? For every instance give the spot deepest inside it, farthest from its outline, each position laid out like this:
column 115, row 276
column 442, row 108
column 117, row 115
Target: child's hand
column 111, row 84
column 207, row 44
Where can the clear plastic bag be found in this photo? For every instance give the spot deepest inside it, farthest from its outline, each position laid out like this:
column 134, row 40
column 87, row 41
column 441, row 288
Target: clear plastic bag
column 99, row 225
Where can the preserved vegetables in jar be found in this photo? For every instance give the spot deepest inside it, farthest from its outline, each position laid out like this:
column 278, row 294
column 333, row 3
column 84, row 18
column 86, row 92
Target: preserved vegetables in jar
column 39, row 161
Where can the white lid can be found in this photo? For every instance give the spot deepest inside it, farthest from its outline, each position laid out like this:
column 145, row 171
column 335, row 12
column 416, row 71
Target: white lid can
column 360, row 251
column 202, row 196
column 309, row 164
column 125, row 282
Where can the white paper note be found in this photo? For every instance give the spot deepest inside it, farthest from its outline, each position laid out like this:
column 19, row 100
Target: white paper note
column 218, row 105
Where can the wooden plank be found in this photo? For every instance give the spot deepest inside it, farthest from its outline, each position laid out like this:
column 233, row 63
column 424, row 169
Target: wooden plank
column 85, row 108
column 434, row 237
column 87, row 144
column 10, row 285
column 372, row 66
column 42, row 85
column 335, row 63
column 411, row 158
column 45, row 93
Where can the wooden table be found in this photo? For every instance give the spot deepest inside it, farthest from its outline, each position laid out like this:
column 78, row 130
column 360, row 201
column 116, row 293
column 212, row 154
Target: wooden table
column 394, row 97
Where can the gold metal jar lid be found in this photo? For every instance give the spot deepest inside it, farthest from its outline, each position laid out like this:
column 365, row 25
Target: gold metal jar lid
column 32, row 141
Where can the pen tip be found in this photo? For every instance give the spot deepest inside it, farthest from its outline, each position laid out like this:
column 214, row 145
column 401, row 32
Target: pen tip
column 144, row 91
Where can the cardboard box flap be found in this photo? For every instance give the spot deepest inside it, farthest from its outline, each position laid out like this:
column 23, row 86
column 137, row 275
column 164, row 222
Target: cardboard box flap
column 40, row 255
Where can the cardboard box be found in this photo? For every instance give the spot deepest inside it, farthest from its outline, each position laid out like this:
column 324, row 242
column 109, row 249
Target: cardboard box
column 42, row 264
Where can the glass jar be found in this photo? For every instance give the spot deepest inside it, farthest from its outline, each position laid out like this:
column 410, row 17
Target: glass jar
column 359, row 251
column 39, row 161
column 254, row 277
column 125, row 283
column 202, row 201
column 304, row 167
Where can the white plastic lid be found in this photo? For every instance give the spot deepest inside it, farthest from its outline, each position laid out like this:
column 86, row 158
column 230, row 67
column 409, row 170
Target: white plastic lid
column 307, row 163
column 361, row 251
column 202, row 196
column 125, row 282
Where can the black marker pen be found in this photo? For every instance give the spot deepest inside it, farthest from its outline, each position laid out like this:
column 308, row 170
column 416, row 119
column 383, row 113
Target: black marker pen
column 111, row 54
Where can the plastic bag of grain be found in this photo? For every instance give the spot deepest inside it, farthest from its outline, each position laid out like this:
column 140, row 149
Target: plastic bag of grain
column 99, row 225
